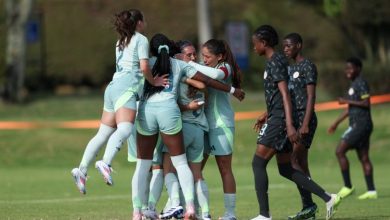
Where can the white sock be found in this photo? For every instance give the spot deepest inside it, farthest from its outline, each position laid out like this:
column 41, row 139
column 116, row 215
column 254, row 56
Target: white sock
column 172, row 184
column 145, row 203
column 202, row 193
column 156, row 185
column 185, row 176
column 94, row 146
column 116, row 141
column 139, row 183
column 230, row 203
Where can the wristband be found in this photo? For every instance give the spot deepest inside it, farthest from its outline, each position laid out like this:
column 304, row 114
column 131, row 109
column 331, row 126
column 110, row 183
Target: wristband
column 232, row 89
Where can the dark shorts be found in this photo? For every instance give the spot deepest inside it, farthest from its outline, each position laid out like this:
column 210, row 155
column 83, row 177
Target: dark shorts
column 306, row 140
column 274, row 136
column 358, row 136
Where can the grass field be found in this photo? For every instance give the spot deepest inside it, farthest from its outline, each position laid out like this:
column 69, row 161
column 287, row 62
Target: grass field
column 35, row 181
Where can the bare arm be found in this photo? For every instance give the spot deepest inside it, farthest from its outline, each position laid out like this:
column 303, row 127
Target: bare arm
column 365, row 103
column 208, row 71
column 195, row 83
column 311, row 97
column 238, row 93
column 157, row 81
column 341, row 118
column 291, row 132
column 260, row 121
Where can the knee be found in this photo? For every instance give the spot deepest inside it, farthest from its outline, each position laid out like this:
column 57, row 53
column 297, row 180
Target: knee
column 340, row 153
column 125, row 129
column 285, row 170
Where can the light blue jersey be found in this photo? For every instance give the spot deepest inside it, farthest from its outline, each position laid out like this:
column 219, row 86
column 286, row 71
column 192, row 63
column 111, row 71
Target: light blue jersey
column 219, row 111
column 179, row 69
column 128, row 59
column 160, row 112
column 198, row 116
column 128, row 78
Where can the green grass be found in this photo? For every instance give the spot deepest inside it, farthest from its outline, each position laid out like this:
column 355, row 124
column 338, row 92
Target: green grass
column 36, row 183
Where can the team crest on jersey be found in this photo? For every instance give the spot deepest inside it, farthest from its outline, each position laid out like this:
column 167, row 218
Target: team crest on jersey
column 265, row 74
column 296, row 75
column 351, row 91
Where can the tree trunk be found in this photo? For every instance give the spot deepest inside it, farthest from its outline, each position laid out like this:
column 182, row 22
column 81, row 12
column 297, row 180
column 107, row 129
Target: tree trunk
column 17, row 13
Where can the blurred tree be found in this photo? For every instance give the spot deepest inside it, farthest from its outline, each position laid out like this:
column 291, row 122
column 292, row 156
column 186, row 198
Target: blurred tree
column 17, row 13
column 365, row 25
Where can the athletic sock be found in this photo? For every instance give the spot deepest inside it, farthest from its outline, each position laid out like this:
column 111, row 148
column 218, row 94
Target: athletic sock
column 302, row 180
column 261, row 184
column 94, row 146
column 202, row 195
column 140, row 183
column 230, row 203
column 370, row 182
column 172, row 184
column 116, row 140
column 307, row 199
column 156, row 185
column 185, row 176
column 346, row 178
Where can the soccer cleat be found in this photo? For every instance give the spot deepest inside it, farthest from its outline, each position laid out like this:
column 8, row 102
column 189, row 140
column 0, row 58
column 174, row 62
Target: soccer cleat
column 105, row 170
column 308, row 213
column 227, row 216
column 150, row 214
column 174, row 212
column 206, row 217
column 260, row 217
column 346, row 191
column 331, row 206
column 368, row 195
column 79, row 179
column 137, row 216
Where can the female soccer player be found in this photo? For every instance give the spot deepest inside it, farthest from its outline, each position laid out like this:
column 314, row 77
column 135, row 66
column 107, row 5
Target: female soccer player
column 275, row 124
column 357, row 136
column 221, row 65
column 302, row 87
column 132, row 54
column 159, row 113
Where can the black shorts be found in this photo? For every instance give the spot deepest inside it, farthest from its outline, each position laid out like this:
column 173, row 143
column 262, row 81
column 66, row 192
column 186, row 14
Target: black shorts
column 358, row 136
column 274, row 136
column 306, row 140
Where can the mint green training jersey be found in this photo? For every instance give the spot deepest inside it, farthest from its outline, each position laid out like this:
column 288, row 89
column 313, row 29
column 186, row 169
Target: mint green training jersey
column 128, row 59
column 219, row 111
column 197, row 117
column 179, row 69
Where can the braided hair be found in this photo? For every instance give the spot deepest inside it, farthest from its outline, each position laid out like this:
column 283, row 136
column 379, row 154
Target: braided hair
column 162, row 48
column 217, row 47
column 268, row 34
column 125, row 23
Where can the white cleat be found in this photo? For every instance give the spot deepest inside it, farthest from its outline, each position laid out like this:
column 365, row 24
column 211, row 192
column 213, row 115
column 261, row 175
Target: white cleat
column 105, row 170
column 79, row 179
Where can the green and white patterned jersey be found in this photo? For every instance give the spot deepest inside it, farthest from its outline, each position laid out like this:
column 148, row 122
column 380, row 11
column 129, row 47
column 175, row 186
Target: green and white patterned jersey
column 192, row 116
column 128, row 59
column 179, row 69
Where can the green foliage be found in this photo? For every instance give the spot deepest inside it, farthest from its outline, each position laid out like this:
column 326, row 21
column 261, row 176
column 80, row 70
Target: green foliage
column 79, row 36
column 333, row 8
column 334, row 81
